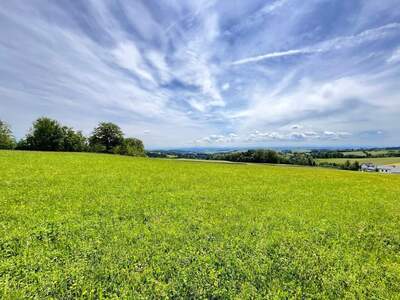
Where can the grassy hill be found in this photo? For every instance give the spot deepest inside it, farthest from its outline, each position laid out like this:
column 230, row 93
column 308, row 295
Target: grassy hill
column 92, row 226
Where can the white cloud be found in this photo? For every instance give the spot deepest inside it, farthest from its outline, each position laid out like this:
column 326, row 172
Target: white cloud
column 395, row 57
column 260, row 137
column 128, row 56
column 200, row 106
column 168, row 70
column 192, row 63
column 160, row 66
column 273, row 55
column 335, row 135
column 313, row 101
column 269, row 8
column 218, row 139
column 141, row 18
column 330, row 45
column 226, row 86
column 295, row 136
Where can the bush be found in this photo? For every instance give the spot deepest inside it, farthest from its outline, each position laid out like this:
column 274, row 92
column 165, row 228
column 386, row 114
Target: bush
column 97, row 148
column 7, row 140
column 131, row 147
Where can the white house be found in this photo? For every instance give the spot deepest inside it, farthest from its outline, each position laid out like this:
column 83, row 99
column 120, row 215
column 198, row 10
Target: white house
column 388, row 169
column 368, row 167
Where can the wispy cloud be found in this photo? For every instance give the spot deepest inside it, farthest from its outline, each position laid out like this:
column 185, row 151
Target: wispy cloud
column 330, row 45
column 181, row 71
column 274, row 55
column 395, row 57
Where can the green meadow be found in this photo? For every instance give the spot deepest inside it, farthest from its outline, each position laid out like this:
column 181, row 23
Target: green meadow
column 79, row 225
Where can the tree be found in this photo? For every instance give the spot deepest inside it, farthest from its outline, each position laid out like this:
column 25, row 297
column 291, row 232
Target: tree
column 105, row 137
column 73, row 141
column 302, row 159
column 7, row 140
column 356, row 166
column 346, row 165
column 266, row 156
column 22, row 145
column 131, row 147
column 46, row 135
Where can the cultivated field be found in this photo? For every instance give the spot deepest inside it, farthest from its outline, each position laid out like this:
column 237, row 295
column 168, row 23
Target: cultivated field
column 360, row 153
column 372, row 152
column 375, row 160
column 93, row 226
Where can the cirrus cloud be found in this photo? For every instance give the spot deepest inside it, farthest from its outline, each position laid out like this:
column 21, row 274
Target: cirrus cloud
column 168, row 71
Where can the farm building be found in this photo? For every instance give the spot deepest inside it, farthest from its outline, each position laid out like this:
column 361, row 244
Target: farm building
column 389, row 169
column 368, row 167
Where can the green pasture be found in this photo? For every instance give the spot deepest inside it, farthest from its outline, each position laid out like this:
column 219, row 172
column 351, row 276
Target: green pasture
column 93, row 226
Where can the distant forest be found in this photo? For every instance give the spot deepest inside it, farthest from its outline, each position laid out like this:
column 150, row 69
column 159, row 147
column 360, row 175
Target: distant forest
column 285, row 157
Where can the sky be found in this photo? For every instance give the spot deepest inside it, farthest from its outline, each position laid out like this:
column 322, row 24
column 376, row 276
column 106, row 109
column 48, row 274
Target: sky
column 206, row 73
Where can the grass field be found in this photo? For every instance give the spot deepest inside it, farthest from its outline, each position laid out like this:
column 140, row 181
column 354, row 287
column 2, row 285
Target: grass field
column 360, row 153
column 372, row 152
column 103, row 226
column 376, row 160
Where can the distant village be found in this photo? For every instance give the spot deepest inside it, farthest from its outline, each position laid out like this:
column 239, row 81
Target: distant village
column 370, row 167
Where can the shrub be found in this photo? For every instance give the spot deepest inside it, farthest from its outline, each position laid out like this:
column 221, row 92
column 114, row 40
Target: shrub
column 97, row 148
column 131, row 147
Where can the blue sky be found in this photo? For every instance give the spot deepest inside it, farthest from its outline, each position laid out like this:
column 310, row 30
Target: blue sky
column 206, row 73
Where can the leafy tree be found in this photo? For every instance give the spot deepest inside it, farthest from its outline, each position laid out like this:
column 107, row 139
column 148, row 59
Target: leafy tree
column 302, row 159
column 346, row 165
column 73, row 141
column 7, row 140
column 266, row 156
column 46, row 135
column 106, row 136
column 131, row 147
column 22, row 145
column 356, row 166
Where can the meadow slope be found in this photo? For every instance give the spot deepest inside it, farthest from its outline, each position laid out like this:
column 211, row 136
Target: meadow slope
column 92, row 226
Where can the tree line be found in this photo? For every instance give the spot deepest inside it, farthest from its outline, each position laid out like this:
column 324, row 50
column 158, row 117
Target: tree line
column 249, row 156
column 347, row 165
column 370, row 153
column 266, row 156
column 50, row 135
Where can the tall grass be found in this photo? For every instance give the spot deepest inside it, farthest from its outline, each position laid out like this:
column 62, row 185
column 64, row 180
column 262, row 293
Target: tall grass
column 99, row 226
